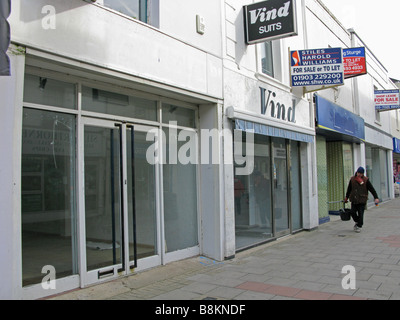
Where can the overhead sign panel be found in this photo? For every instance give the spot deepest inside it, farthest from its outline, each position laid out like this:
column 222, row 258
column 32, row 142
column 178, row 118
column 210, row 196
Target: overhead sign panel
column 317, row 67
column 335, row 121
column 386, row 100
column 269, row 20
column 354, row 62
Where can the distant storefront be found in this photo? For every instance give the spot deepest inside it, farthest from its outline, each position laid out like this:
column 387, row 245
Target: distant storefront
column 338, row 130
column 396, row 165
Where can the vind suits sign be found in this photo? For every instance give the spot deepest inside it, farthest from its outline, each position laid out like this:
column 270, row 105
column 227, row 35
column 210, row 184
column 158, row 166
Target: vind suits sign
column 269, row 20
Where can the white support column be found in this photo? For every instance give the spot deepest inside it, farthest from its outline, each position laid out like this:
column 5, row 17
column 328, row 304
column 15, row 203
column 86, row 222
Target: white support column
column 309, row 186
column 211, row 182
column 359, row 156
column 390, row 173
column 11, row 93
column 229, row 199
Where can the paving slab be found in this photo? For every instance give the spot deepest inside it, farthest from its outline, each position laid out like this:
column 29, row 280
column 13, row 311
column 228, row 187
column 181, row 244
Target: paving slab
column 304, row 266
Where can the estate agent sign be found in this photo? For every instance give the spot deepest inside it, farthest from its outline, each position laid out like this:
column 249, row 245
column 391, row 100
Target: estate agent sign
column 317, row 67
column 386, row 100
column 354, row 62
column 269, row 20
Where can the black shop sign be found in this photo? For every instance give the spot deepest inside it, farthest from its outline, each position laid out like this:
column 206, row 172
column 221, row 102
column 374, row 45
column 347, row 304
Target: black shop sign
column 269, row 20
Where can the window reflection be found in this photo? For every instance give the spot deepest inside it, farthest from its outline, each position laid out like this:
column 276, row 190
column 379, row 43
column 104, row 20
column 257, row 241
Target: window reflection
column 266, row 59
column 253, row 212
column 49, row 92
column 48, row 203
column 180, row 201
column 133, row 8
column 107, row 102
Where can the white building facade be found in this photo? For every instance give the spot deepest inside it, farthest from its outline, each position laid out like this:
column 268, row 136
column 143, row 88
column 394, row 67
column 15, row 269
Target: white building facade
column 91, row 91
column 139, row 135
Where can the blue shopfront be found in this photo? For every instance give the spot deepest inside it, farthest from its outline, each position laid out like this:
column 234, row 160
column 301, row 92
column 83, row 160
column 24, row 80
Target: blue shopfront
column 338, row 132
column 396, row 164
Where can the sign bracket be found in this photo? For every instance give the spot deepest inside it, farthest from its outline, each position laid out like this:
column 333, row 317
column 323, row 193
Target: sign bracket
column 305, row 90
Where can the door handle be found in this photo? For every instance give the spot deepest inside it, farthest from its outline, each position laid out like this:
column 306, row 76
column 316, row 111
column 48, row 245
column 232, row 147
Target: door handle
column 133, row 196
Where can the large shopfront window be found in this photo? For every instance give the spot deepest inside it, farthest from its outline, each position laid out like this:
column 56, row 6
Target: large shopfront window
column 92, row 203
column 253, row 196
column 180, row 194
column 48, row 194
column 339, row 168
column 264, row 198
column 280, row 185
column 295, row 186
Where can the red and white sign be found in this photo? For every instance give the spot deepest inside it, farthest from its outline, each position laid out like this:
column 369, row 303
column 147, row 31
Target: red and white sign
column 354, row 62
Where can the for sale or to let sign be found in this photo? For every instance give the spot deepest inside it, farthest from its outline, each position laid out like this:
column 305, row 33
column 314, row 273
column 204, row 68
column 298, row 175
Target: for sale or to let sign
column 317, row 67
column 386, row 100
column 354, row 62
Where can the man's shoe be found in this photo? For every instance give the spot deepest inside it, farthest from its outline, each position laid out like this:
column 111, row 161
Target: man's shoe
column 357, row 229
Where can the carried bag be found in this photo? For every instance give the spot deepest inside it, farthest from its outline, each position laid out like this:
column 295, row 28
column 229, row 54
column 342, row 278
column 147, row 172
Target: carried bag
column 345, row 214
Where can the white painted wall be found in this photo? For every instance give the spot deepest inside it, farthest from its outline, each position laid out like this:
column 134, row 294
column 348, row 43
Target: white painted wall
column 91, row 33
column 178, row 18
column 377, row 77
column 323, row 31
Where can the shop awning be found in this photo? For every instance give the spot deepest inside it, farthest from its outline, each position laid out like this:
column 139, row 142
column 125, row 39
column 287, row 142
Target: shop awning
column 337, row 123
column 272, row 131
column 246, row 121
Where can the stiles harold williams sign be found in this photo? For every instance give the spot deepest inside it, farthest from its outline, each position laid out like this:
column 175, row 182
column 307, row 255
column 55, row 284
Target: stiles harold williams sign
column 317, row 67
column 268, row 20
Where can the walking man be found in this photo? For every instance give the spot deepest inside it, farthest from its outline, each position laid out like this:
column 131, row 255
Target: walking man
column 357, row 193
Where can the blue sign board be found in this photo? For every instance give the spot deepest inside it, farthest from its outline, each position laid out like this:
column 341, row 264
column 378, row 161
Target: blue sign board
column 396, row 145
column 335, row 119
column 318, row 67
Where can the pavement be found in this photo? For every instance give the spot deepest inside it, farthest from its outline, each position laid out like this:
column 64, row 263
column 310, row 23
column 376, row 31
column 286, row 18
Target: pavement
column 329, row 263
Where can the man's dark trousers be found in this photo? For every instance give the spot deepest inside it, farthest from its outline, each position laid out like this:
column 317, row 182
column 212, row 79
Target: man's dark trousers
column 357, row 213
